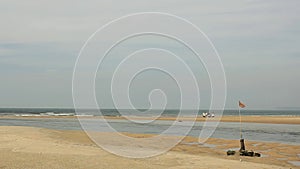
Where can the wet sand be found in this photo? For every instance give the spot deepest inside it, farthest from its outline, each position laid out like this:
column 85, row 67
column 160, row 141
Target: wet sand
column 248, row 119
column 26, row 147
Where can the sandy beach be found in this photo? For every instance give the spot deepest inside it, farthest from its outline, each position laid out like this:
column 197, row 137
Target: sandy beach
column 248, row 119
column 27, row 147
column 150, row 84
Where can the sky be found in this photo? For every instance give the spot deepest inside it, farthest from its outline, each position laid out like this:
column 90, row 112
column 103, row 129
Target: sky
column 257, row 41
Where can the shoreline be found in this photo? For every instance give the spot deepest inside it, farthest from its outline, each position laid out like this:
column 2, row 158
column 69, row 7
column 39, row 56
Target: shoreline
column 30, row 147
column 245, row 119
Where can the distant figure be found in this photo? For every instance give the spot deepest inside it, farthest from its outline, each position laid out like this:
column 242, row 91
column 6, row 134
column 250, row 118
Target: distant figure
column 208, row 114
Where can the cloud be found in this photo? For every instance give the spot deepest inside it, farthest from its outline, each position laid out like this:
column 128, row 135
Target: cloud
column 256, row 38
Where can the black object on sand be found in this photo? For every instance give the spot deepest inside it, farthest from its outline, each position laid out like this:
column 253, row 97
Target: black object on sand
column 230, row 152
column 243, row 151
column 242, row 141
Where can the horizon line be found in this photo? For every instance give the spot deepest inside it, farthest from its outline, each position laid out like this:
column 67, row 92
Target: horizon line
column 107, row 108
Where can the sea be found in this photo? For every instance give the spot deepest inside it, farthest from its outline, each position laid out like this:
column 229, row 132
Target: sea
column 281, row 133
column 115, row 112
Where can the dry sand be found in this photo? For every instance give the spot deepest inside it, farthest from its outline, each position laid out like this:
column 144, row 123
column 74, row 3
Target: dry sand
column 26, row 147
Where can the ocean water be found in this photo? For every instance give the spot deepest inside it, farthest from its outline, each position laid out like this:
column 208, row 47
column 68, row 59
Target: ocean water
column 114, row 112
column 282, row 133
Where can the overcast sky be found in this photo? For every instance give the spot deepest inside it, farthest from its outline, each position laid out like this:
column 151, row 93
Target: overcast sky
column 258, row 42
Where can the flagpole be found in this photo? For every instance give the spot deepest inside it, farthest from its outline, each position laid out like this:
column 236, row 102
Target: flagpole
column 240, row 121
